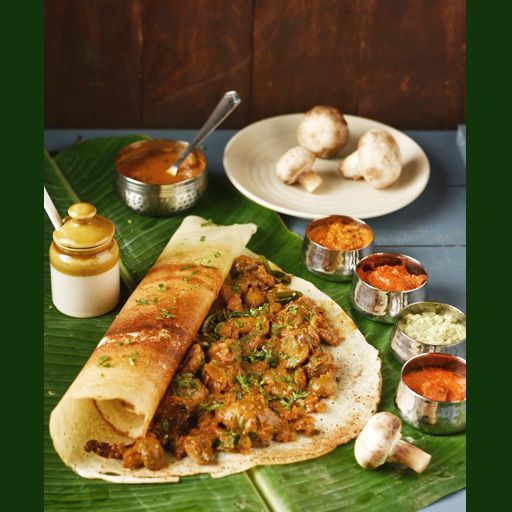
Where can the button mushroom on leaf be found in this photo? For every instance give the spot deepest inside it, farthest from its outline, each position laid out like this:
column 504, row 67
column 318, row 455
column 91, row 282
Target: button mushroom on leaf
column 380, row 441
column 323, row 130
column 377, row 160
column 295, row 166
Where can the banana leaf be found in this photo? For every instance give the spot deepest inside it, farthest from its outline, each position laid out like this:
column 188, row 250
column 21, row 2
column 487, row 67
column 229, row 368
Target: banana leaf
column 332, row 482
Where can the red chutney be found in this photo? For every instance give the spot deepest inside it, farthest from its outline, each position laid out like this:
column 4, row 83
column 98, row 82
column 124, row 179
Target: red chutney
column 392, row 278
column 437, row 384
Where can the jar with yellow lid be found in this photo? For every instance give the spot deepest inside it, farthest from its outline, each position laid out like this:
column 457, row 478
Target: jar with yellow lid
column 84, row 264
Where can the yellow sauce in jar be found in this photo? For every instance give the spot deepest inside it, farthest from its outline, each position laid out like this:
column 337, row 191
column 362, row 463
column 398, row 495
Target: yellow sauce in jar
column 148, row 161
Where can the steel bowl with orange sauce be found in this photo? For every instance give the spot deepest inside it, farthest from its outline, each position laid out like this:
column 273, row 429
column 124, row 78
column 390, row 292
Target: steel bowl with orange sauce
column 144, row 184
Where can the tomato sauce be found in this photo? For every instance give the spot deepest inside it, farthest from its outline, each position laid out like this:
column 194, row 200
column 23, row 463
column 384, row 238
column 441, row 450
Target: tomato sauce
column 437, row 384
column 394, row 278
column 391, row 273
column 148, row 161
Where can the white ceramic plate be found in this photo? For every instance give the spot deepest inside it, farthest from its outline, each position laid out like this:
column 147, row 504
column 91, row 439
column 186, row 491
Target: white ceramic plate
column 250, row 159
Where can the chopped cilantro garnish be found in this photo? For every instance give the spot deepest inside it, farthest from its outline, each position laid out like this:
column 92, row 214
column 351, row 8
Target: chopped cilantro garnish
column 230, row 439
column 276, row 328
column 145, row 302
column 202, row 239
column 194, row 272
column 211, row 407
column 209, row 222
column 186, row 380
column 244, row 383
column 296, row 395
column 288, row 379
column 187, row 266
column 165, row 425
column 161, row 287
column 245, row 338
column 104, row 361
column 164, row 313
column 262, row 354
column 216, row 254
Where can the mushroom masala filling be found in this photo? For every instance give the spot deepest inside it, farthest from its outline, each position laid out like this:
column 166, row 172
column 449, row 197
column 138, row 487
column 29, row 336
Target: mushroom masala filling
column 256, row 373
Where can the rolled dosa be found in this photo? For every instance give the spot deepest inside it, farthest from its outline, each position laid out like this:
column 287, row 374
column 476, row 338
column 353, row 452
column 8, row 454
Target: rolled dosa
column 117, row 392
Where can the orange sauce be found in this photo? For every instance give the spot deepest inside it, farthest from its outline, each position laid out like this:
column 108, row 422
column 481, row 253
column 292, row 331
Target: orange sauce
column 341, row 234
column 148, row 161
column 437, row 384
column 393, row 278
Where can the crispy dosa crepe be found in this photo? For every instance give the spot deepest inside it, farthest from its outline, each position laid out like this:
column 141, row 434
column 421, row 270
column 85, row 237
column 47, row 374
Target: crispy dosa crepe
column 347, row 412
column 118, row 390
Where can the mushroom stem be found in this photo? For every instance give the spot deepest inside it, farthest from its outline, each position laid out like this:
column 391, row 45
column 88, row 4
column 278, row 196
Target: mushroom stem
column 379, row 441
column 310, row 180
column 410, row 456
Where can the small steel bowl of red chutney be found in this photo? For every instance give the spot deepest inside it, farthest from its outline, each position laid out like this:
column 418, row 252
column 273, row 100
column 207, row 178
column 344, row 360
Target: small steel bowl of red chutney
column 145, row 184
column 431, row 394
column 384, row 283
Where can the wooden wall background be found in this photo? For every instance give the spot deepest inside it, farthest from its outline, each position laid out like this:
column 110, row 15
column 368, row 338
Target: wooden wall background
column 165, row 63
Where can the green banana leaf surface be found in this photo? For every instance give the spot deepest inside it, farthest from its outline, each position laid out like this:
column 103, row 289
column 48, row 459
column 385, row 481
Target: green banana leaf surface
column 85, row 171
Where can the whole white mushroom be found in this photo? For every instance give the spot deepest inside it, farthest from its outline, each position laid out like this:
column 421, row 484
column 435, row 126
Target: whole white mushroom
column 296, row 166
column 349, row 167
column 380, row 441
column 377, row 159
column 323, row 130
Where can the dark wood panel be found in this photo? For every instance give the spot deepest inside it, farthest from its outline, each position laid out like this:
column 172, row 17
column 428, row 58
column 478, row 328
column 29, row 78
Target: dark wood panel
column 92, row 63
column 413, row 68
column 305, row 53
column 398, row 61
column 194, row 51
column 165, row 63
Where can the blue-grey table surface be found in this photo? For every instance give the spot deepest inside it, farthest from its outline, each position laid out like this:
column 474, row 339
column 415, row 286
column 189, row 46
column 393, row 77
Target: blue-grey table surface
column 431, row 229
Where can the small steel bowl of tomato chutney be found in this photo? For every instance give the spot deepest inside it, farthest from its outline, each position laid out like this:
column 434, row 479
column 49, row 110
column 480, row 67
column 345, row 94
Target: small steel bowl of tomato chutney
column 384, row 283
column 431, row 394
column 144, row 184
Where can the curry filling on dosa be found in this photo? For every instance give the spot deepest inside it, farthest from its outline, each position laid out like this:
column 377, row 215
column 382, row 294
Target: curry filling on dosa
column 256, row 373
column 218, row 362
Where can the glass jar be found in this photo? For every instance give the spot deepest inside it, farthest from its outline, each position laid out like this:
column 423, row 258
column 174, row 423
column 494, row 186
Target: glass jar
column 84, row 264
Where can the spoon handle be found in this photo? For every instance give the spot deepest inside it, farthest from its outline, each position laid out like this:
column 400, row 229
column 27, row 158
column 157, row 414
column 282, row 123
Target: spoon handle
column 51, row 210
column 226, row 105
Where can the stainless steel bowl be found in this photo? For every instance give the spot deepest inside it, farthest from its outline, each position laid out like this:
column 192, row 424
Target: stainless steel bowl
column 427, row 415
column 404, row 347
column 381, row 305
column 159, row 200
column 333, row 264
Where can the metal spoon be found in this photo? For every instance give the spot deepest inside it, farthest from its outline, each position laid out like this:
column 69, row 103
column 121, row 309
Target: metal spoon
column 226, row 105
